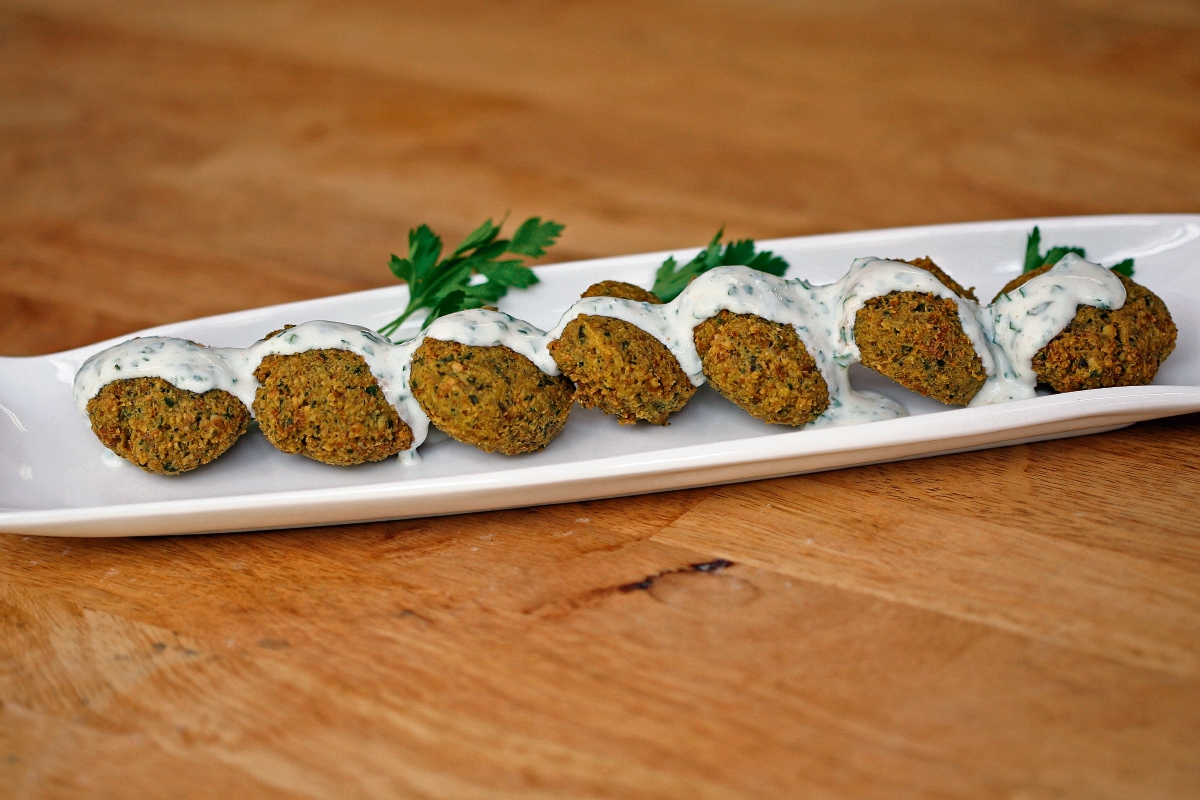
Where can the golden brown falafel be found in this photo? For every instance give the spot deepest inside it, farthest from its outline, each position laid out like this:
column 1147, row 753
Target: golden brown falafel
column 926, row 263
column 623, row 290
column 620, row 369
column 326, row 405
column 489, row 397
column 763, row 367
column 1106, row 347
column 165, row 429
column 917, row 340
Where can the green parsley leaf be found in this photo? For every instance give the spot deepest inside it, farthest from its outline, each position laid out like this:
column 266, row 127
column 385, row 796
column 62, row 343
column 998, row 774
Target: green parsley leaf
column 444, row 286
column 453, row 301
column 1033, row 252
column 1125, row 268
column 1055, row 254
column 1035, row 260
column 671, row 279
column 481, row 236
column 508, row 273
column 534, row 236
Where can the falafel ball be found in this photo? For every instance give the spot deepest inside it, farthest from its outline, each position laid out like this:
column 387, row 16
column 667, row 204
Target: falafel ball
column 326, row 405
column 620, row 369
column 164, row 429
column 1106, row 347
column 623, row 290
column 917, row 340
column 489, row 397
column 763, row 367
column 926, row 263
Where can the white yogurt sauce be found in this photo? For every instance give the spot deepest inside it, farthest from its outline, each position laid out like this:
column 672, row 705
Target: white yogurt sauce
column 1025, row 321
column 196, row 368
column 741, row 290
column 1006, row 335
column 483, row 328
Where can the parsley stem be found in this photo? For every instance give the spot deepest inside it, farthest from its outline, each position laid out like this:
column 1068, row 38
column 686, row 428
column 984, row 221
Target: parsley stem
column 394, row 325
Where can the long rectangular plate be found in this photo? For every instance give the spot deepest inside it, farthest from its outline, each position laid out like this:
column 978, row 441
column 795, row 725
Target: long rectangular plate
column 57, row 479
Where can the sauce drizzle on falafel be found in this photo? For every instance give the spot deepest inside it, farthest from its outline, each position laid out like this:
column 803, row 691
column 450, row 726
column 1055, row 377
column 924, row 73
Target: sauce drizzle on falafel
column 1005, row 338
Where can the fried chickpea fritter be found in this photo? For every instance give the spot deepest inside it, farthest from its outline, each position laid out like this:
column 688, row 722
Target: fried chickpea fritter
column 917, row 340
column 763, row 367
column 623, row 290
column 1106, row 347
column 619, row 368
column 489, row 397
column 926, row 263
column 622, row 370
column 164, row 429
column 326, row 405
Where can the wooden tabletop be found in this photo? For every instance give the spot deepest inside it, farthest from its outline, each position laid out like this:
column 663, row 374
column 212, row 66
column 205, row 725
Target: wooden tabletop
column 1016, row 623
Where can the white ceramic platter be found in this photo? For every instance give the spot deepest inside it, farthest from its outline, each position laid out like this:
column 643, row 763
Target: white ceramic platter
column 57, row 479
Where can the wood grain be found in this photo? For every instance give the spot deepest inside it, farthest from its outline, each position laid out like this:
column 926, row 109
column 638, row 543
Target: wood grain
column 1018, row 623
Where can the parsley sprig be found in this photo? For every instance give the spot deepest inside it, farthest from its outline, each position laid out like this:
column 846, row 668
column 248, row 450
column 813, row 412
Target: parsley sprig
column 1034, row 259
column 671, row 279
column 444, row 285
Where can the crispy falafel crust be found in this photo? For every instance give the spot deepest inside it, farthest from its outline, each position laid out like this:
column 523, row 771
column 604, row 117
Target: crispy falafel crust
column 623, row 290
column 1100, row 348
column 763, row 367
column 164, row 429
column 326, row 405
column 926, row 263
column 489, row 397
column 620, row 369
column 917, row 340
